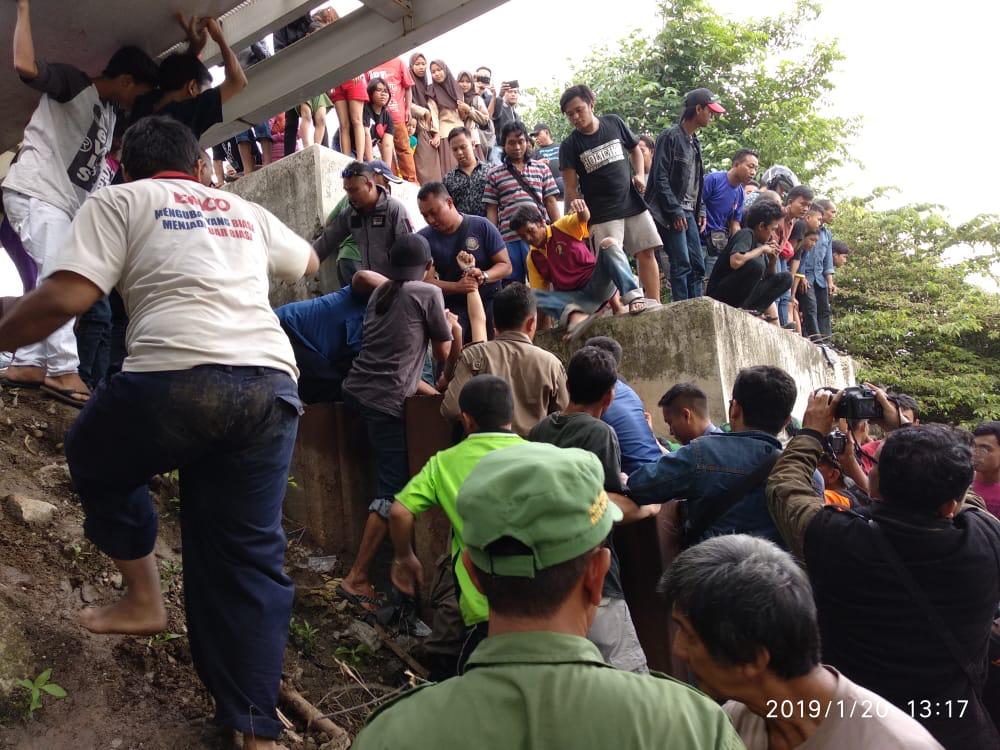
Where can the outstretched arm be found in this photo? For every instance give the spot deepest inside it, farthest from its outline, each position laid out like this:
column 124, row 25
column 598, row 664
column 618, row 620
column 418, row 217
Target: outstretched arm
column 24, row 45
column 236, row 79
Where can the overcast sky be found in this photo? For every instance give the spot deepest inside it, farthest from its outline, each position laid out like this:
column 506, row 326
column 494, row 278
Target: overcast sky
column 923, row 80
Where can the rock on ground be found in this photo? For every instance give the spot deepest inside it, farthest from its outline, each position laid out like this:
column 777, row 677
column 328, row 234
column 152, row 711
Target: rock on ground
column 29, row 511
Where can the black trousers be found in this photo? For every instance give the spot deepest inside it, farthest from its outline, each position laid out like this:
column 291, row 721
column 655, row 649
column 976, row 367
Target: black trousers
column 807, row 311
column 743, row 288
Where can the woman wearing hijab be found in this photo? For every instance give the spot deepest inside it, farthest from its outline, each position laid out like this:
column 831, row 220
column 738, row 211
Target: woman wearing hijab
column 472, row 110
column 446, row 94
column 423, row 108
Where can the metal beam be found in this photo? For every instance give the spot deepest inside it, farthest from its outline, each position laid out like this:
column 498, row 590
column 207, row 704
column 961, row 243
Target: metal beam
column 357, row 42
column 248, row 25
column 391, row 10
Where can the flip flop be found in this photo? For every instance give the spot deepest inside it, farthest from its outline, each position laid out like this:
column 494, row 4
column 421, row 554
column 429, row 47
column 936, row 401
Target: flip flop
column 64, row 395
column 25, row 384
column 361, row 601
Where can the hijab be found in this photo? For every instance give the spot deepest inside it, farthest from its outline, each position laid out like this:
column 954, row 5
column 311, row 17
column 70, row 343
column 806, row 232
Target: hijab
column 470, row 95
column 447, row 94
column 421, row 91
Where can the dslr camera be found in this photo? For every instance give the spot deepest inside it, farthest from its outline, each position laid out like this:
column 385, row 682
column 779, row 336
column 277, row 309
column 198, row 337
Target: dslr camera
column 836, row 442
column 858, row 402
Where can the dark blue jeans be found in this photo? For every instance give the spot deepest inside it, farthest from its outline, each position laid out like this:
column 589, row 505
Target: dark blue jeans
column 387, row 438
column 230, row 431
column 93, row 342
column 687, row 264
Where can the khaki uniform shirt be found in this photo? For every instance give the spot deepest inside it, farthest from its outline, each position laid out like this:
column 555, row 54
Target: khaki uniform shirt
column 536, row 376
column 544, row 691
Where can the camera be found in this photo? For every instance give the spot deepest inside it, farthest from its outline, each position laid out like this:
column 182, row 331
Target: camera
column 858, row 402
column 836, row 442
column 483, row 79
column 512, row 84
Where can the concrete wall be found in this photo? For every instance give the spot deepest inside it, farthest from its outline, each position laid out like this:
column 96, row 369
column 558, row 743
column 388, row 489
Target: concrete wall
column 301, row 190
column 706, row 342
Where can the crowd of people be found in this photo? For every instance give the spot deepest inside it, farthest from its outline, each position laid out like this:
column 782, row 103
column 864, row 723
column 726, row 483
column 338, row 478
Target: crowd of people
column 835, row 590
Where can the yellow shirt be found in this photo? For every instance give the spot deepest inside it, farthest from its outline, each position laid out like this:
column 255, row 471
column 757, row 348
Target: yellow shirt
column 571, row 225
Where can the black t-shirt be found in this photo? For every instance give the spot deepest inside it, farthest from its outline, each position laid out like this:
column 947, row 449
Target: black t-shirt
column 601, row 161
column 379, row 125
column 199, row 113
column 741, row 242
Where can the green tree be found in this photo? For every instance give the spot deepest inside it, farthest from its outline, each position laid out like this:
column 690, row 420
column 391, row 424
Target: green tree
column 768, row 79
column 907, row 314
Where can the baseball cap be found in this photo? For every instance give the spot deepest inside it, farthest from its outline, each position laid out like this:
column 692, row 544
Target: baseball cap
column 539, row 128
column 550, row 499
column 380, row 167
column 705, row 98
column 408, row 258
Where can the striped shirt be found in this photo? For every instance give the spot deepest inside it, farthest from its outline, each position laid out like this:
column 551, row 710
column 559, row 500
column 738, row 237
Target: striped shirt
column 506, row 192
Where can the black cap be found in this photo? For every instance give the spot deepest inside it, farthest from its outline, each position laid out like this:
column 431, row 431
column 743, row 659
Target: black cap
column 705, row 98
column 408, row 258
column 539, row 128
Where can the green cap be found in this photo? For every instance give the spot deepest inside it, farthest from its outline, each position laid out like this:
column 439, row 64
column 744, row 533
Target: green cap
column 550, row 499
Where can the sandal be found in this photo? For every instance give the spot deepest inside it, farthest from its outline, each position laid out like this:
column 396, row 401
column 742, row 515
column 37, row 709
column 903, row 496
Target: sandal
column 363, row 602
column 65, row 395
column 28, row 385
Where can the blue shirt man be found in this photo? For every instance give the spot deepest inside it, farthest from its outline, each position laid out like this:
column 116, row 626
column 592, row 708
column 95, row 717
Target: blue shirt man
column 627, row 417
column 722, row 201
column 818, row 264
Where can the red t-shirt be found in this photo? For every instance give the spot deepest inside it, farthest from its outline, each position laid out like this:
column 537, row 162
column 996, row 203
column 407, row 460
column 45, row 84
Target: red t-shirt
column 566, row 261
column 397, row 77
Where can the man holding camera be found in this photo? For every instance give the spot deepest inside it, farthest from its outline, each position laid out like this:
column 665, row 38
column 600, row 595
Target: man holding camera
column 906, row 589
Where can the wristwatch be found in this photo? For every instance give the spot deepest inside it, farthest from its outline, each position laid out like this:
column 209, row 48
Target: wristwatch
column 486, row 277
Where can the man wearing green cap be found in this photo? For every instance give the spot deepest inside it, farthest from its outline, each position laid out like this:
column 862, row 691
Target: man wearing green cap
column 534, row 520
column 486, row 404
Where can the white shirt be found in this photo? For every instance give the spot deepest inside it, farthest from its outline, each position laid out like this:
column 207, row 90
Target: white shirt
column 66, row 140
column 191, row 264
column 857, row 719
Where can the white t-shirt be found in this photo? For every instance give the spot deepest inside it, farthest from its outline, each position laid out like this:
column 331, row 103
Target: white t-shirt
column 66, row 140
column 191, row 264
column 857, row 719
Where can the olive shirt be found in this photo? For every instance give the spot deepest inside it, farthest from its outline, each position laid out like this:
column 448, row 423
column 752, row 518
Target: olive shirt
column 544, row 690
column 536, row 377
column 438, row 484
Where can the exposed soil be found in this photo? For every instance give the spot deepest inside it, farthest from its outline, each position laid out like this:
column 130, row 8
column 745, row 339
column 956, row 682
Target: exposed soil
column 127, row 692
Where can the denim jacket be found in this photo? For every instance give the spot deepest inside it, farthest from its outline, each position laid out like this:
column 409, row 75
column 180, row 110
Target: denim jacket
column 707, row 466
column 673, row 160
column 817, row 264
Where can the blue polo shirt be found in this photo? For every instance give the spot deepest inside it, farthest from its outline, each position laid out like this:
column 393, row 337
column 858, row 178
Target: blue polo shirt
column 723, row 202
column 627, row 418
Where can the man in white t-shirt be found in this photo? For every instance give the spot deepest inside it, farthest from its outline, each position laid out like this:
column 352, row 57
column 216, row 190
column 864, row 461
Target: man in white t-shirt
column 208, row 386
column 58, row 165
column 746, row 626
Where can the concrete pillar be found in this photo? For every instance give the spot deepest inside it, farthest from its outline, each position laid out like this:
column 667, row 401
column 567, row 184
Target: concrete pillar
column 302, row 189
column 708, row 343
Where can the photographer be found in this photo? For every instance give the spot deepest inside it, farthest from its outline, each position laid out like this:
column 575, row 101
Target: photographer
column 906, row 589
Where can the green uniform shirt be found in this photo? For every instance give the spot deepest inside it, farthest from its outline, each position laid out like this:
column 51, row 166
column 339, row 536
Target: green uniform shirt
column 438, row 484
column 349, row 247
column 540, row 691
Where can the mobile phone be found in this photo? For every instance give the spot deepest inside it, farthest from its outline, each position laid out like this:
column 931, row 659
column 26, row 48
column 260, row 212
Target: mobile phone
column 512, row 84
column 482, row 79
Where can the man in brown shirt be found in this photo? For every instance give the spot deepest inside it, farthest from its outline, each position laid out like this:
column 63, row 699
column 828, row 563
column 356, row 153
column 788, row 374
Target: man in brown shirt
column 536, row 376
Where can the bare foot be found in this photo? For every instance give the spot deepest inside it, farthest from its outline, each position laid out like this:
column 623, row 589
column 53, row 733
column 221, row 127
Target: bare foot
column 23, row 374
column 126, row 616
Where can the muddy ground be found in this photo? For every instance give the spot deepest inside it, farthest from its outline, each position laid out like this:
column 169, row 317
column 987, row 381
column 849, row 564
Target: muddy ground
column 127, row 692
